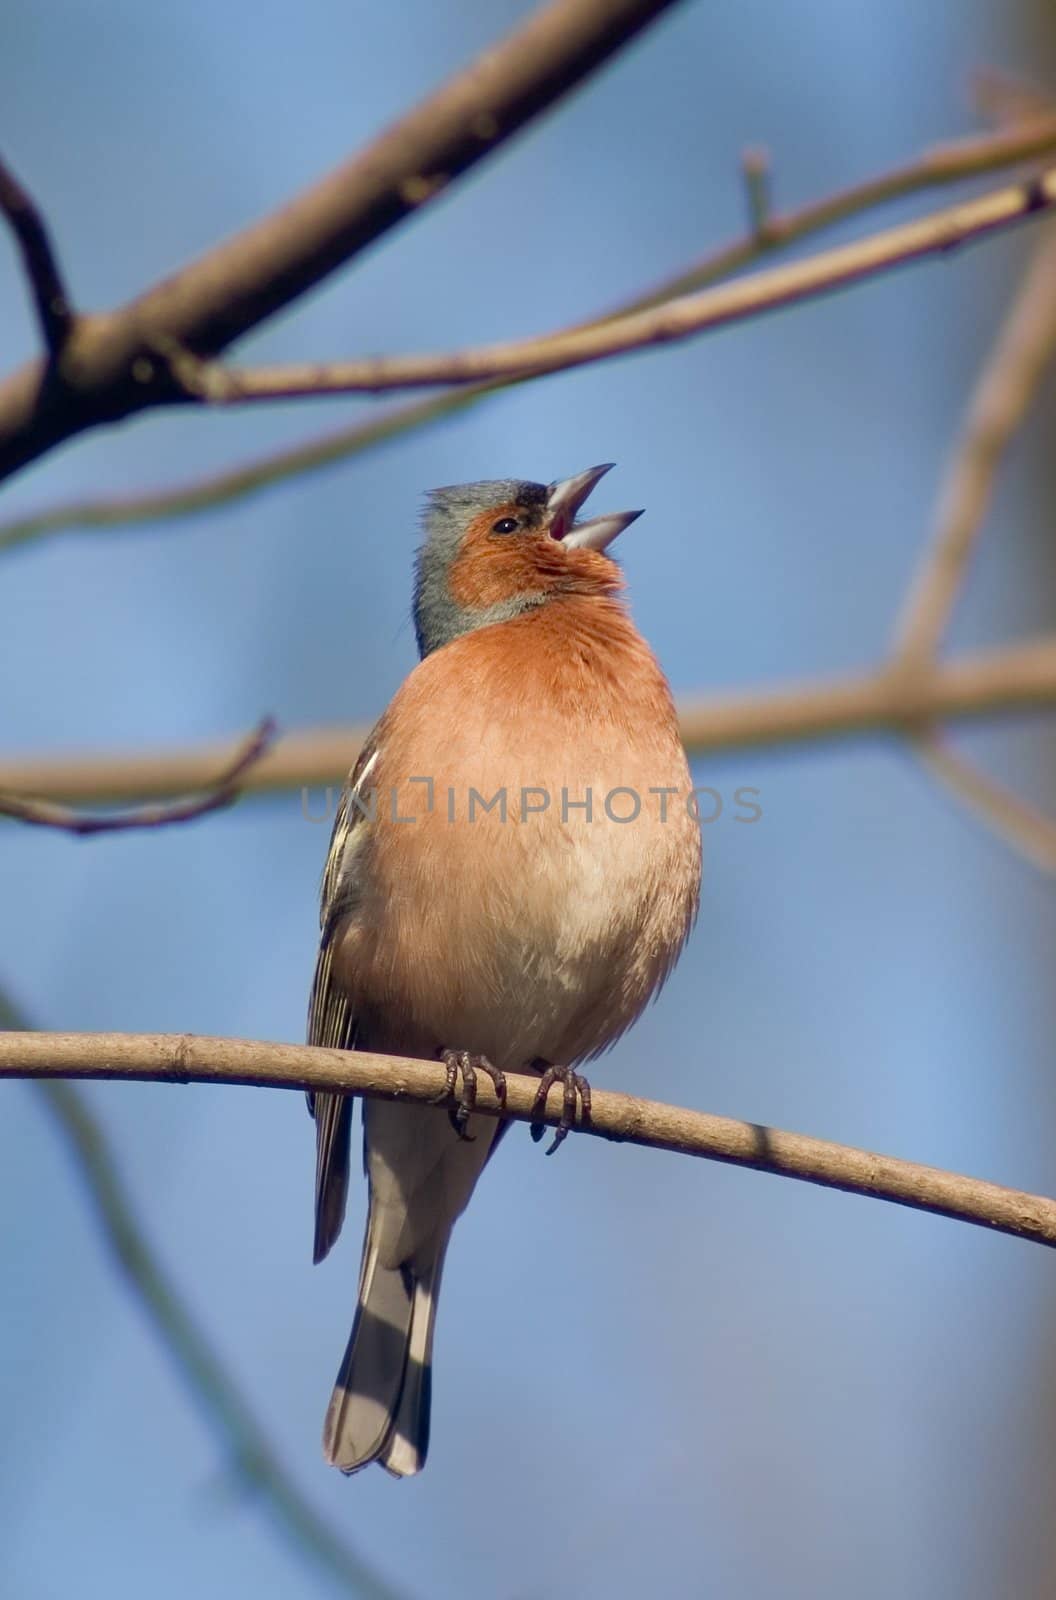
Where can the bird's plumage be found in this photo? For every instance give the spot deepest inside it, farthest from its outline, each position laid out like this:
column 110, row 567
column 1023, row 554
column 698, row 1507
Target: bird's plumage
column 460, row 912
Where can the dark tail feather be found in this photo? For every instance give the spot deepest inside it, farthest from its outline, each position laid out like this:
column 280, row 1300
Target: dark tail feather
column 333, row 1129
column 408, row 1443
column 379, row 1410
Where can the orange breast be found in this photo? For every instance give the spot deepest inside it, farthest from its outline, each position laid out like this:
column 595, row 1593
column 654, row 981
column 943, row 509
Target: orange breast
column 525, row 884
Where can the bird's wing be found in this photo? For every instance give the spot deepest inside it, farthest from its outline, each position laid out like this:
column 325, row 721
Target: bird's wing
column 331, row 1011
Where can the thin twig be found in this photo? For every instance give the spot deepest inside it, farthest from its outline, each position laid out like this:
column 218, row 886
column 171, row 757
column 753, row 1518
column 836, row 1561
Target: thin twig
column 1008, row 383
column 1026, row 830
column 1015, row 678
column 246, row 279
column 1006, row 387
column 755, row 169
column 203, row 494
column 212, row 1388
column 1009, row 101
column 950, row 162
column 215, row 384
column 947, row 163
column 185, row 1058
column 220, row 792
column 39, row 260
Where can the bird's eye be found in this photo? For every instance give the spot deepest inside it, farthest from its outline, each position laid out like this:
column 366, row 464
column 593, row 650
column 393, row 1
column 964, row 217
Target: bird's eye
column 506, row 525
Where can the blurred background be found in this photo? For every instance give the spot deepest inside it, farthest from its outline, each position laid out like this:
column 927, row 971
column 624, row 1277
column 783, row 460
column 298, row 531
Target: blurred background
column 651, row 1373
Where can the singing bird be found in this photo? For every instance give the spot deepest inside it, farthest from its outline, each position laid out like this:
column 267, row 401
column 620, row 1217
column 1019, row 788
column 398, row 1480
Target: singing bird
column 514, row 869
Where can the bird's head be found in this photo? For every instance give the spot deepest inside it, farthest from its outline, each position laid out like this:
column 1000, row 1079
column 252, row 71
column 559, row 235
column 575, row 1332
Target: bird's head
column 497, row 549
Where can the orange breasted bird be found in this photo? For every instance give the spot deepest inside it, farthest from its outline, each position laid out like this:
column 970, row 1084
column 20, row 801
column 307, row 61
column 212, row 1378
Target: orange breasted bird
column 513, row 872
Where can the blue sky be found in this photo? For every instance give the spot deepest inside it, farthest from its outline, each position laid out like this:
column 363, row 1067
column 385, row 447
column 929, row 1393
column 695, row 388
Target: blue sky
column 650, row 1372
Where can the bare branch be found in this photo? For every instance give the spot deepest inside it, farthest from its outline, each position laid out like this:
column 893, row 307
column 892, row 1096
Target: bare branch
column 1003, row 394
column 1009, row 101
column 39, row 260
column 951, row 162
column 1019, row 677
column 1008, row 383
column 113, row 359
column 220, row 792
column 673, row 321
column 1026, row 830
column 214, row 1390
column 947, row 163
column 186, row 1058
column 236, row 483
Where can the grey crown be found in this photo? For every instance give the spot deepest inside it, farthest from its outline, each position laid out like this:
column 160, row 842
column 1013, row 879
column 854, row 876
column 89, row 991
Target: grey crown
column 448, row 512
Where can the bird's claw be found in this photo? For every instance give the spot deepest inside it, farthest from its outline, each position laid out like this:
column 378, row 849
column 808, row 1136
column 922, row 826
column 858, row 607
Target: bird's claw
column 462, row 1062
column 573, row 1084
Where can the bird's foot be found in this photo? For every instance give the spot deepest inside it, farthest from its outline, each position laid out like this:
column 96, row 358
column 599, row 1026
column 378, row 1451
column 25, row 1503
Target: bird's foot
column 462, row 1062
column 573, row 1084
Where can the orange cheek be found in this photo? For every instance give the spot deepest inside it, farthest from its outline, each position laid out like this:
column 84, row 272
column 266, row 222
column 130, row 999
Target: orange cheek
column 491, row 568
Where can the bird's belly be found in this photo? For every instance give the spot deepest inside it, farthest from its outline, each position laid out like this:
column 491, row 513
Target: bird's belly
column 524, row 935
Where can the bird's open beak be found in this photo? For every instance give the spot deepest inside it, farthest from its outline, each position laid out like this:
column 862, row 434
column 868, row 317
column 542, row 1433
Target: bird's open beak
column 564, row 503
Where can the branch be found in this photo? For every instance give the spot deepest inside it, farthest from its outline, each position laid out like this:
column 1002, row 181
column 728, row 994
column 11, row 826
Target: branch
column 1016, row 678
column 757, row 174
column 671, row 322
column 1009, row 101
column 39, row 260
column 951, row 162
column 1025, row 829
column 211, row 1386
column 119, row 363
column 221, row 488
column 1007, row 386
column 1008, row 383
column 946, row 163
column 187, row 1058
column 220, row 792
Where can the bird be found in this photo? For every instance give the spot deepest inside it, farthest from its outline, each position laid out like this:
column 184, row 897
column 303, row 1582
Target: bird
column 513, row 872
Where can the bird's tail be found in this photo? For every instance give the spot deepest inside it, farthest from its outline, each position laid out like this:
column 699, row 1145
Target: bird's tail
column 379, row 1410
